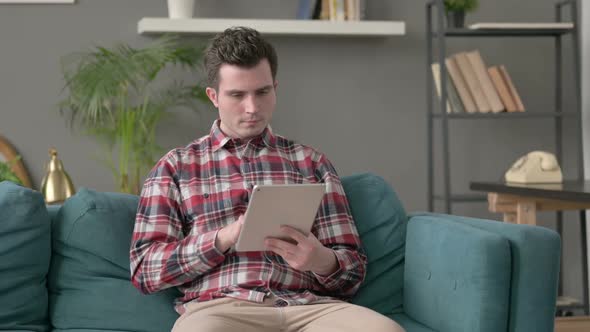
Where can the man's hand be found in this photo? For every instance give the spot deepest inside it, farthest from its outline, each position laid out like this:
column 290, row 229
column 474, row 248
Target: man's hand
column 228, row 235
column 307, row 254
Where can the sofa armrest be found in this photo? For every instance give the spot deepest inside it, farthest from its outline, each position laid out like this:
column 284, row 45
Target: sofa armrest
column 457, row 277
column 533, row 272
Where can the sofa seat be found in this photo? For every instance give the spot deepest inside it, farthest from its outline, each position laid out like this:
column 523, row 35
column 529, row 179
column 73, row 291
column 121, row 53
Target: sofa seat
column 409, row 324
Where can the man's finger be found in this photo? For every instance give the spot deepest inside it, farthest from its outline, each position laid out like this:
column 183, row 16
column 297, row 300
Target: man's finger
column 277, row 250
column 293, row 233
column 283, row 245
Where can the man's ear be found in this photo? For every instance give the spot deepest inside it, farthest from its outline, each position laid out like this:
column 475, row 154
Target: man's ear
column 275, row 84
column 212, row 94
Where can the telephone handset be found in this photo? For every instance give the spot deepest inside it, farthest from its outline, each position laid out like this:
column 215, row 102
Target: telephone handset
column 535, row 167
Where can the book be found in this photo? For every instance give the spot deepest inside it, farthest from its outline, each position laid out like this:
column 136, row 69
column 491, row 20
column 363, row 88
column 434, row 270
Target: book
column 502, row 89
column 350, row 9
column 317, row 10
column 325, row 10
column 483, row 77
column 454, row 104
column 460, row 85
column 339, row 10
column 453, row 96
column 520, row 25
column 336, row 10
column 472, row 82
column 436, row 76
column 513, row 93
column 306, row 9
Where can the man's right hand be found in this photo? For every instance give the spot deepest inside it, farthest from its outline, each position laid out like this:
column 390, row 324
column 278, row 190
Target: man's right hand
column 228, row 235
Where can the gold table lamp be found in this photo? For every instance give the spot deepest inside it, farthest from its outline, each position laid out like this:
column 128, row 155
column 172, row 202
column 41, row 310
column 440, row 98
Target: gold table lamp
column 56, row 185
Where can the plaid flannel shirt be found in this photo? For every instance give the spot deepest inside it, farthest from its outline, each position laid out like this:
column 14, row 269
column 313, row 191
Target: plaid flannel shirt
column 194, row 191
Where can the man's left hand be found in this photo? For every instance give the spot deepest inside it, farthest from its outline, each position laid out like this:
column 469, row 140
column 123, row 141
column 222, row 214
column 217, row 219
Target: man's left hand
column 307, row 254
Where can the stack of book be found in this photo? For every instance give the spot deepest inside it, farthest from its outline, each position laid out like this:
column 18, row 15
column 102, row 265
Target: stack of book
column 473, row 87
column 332, row 10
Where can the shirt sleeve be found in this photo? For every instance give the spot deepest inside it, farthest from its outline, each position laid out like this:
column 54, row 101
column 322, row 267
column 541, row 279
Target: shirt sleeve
column 161, row 254
column 335, row 229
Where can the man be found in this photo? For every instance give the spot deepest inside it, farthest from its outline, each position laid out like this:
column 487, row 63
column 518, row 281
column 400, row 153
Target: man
column 191, row 212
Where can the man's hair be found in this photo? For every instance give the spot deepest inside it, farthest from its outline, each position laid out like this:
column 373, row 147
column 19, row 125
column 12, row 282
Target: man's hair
column 240, row 46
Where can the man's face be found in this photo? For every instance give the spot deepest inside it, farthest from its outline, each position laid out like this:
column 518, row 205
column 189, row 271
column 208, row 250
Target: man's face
column 246, row 99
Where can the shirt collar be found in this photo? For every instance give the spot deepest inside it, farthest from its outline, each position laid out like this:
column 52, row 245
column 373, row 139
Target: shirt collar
column 219, row 139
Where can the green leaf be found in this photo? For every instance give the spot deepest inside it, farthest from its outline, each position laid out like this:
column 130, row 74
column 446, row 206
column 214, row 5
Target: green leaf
column 461, row 5
column 6, row 173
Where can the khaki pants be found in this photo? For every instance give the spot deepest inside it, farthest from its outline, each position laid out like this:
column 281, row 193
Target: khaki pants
column 227, row 314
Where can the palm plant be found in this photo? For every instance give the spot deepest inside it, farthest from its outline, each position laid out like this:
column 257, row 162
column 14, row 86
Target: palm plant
column 111, row 96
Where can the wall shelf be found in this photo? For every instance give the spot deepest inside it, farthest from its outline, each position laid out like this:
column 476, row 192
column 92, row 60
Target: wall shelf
column 155, row 25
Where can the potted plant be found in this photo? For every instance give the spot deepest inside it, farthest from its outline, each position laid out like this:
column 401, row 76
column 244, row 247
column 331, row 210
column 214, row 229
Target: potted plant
column 455, row 11
column 181, row 8
column 112, row 97
column 6, row 173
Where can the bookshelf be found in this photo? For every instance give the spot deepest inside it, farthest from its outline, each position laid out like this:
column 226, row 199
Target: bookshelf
column 157, row 25
column 439, row 33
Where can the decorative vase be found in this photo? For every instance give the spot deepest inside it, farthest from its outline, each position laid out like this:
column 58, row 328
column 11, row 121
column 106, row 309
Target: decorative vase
column 181, row 8
column 455, row 19
column 56, row 185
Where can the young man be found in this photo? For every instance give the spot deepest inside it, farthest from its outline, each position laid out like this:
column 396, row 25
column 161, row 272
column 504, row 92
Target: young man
column 191, row 212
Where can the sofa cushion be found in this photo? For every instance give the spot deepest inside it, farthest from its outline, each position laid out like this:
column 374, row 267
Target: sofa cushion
column 458, row 272
column 89, row 279
column 25, row 247
column 534, row 273
column 381, row 221
column 408, row 323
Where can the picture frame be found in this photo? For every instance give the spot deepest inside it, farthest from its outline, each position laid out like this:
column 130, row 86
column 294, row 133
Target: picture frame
column 8, row 153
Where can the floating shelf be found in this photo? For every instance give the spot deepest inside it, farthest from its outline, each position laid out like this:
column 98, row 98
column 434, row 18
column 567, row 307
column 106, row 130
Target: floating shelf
column 154, row 25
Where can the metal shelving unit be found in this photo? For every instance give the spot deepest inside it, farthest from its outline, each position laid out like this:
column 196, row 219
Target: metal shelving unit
column 441, row 34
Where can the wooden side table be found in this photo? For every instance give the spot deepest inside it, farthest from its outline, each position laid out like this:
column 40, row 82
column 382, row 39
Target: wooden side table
column 519, row 204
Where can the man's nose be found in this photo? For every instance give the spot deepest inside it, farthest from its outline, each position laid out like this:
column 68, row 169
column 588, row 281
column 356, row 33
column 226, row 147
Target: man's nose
column 251, row 105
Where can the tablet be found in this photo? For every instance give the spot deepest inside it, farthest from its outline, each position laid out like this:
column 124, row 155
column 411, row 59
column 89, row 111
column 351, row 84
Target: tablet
column 271, row 206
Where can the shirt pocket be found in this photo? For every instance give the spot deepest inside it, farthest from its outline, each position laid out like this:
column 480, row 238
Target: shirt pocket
column 290, row 174
column 203, row 203
column 235, row 196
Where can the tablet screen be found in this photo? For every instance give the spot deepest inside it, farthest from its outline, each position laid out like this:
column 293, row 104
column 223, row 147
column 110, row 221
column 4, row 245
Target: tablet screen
column 272, row 206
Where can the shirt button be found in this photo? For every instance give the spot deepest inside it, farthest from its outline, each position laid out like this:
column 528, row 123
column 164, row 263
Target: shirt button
column 205, row 195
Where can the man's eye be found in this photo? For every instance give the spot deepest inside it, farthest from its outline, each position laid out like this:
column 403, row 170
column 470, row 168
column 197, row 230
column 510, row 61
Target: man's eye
column 263, row 92
column 236, row 95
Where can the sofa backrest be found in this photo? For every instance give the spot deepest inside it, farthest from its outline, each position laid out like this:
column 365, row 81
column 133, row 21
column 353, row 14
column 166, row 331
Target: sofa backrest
column 89, row 285
column 25, row 250
column 88, row 282
column 381, row 222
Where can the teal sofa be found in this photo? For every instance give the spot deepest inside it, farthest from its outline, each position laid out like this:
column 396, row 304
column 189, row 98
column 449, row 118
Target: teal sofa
column 67, row 268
